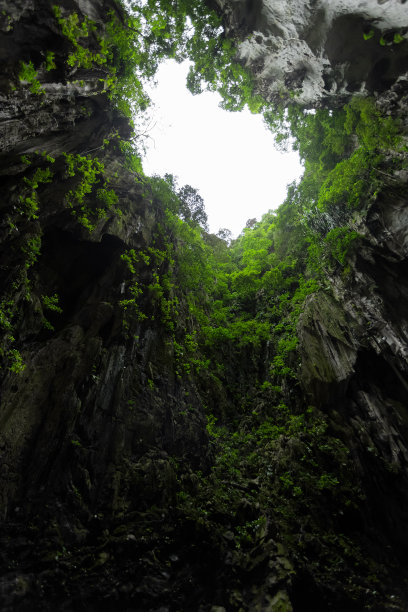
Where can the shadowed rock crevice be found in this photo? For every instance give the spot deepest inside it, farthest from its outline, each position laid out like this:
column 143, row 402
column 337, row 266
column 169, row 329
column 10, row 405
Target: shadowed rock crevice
column 79, row 271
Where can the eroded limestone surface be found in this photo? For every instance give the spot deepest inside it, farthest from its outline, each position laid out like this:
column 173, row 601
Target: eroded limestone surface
column 320, row 52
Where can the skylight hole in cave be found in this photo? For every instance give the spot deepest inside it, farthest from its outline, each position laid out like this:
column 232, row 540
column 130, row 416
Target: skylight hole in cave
column 230, row 158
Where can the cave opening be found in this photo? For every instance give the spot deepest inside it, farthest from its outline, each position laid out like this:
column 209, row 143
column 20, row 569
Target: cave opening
column 230, row 157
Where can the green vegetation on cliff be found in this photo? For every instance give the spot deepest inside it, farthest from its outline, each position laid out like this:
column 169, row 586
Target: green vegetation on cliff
column 227, row 313
column 240, row 306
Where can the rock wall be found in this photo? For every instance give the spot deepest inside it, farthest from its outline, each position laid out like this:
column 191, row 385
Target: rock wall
column 100, row 431
column 93, row 427
column 320, row 53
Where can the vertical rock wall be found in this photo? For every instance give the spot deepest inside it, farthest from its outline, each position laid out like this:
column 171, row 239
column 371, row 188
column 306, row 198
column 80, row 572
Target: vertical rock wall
column 100, row 432
column 93, row 426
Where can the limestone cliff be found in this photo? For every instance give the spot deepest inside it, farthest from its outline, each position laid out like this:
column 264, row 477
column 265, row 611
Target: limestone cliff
column 92, row 427
column 320, row 52
column 114, row 492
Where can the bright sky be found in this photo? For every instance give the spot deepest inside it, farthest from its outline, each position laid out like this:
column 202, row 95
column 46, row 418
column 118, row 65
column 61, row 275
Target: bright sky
column 228, row 157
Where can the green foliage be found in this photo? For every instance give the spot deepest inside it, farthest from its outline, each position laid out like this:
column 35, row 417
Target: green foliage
column 89, row 179
column 132, row 159
column 215, row 69
column 9, row 355
column 368, row 35
column 398, row 38
column 279, row 465
column 345, row 153
column 191, row 207
column 127, row 64
column 385, row 40
column 76, row 31
column 186, row 29
column 356, row 177
column 116, row 54
column 50, row 61
column 132, row 302
column 88, row 171
column 349, row 181
column 37, row 173
column 108, row 197
column 372, row 129
column 16, row 361
column 339, row 241
column 140, row 35
column 31, row 250
column 6, row 314
column 29, row 199
column 157, row 291
column 327, row 481
column 50, row 302
column 28, row 74
column 227, row 310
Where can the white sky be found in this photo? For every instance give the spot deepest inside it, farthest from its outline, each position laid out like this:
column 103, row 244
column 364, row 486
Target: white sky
column 228, row 157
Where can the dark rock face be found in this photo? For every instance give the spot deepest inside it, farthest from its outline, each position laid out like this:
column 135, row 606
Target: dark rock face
column 93, row 426
column 354, row 358
column 99, row 430
column 363, row 333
